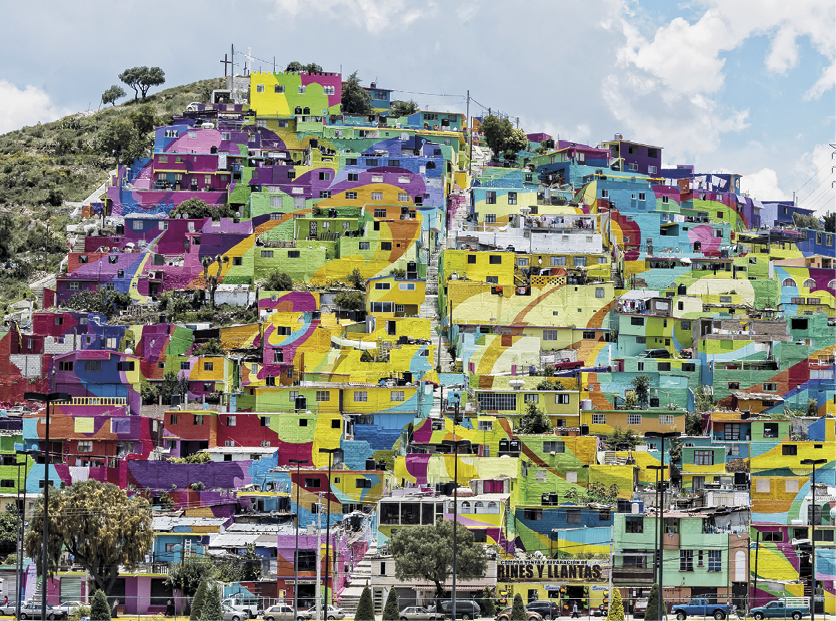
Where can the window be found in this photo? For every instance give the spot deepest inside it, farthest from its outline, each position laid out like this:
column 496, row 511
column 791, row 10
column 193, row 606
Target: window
column 403, row 198
column 599, row 419
column 773, row 536
column 362, row 483
column 823, row 535
column 303, row 422
column 485, row 425
column 558, row 261
column 634, row 524
column 73, row 286
column 666, row 199
column 734, row 385
column 704, row 458
column 573, row 516
column 385, row 245
column 85, row 446
column 92, row 365
column 324, row 194
column 686, row 560
column 361, row 396
column 770, row 430
column 323, row 395
column 65, row 366
column 125, row 365
column 382, row 286
column 663, row 366
column 641, row 197
column 770, row 387
column 363, row 246
column 561, row 399
column 788, row 282
column 293, row 254
column 636, row 321
column 532, row 398
column 497, row 401
column 396, row 396
column 634, row 419
column 599, row 292
column 198, row 419
column 495, row 259
column 512, row 198
column 490, row 198
column 266, row 254
column 532, row 514
column 579, row 261
column 231, row 421
column 666, row 419
column 312, row 482
column 377, row 196
column 789, row 449
column 208, row 366
column 554, row 447
column 490, row 218
column 549, row 335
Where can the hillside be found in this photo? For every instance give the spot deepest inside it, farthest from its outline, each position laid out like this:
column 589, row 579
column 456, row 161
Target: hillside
column 46, row 165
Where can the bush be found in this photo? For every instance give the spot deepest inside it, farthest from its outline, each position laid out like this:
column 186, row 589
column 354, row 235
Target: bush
column 278, row 281
column 79, row 612
column 350, row 300
column 356, row 280
column 616, row 608
column 652, row 611
column 518, row 610
column 212, row 609
column 487, row 603
column 197, row 601
column 100, row 610
column 390, row 611
column 365, row 608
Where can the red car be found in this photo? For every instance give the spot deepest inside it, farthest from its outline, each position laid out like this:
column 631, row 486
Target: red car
column 564, row 364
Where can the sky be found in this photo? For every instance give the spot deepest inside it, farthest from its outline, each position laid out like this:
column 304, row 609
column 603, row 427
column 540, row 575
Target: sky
column 744, row 86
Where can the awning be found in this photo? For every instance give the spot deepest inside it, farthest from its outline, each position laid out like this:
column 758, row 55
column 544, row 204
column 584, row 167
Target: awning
column 467, row 586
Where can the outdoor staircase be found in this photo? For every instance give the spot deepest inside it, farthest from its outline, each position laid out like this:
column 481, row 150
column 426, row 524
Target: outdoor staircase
column 359, row 578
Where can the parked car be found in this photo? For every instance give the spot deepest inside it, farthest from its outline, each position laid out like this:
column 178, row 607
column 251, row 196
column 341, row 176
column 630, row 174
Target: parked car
column 795, row 607
column 564, row 364
column 32, row 610
column 640, row 607
column 546, row 608
column 465, row 609
column 655, row 353
column 530, row 615
column 9, row 609
column 415, row 613
column 701, row 607
column 68, row 607
column 279, row 612
column 251, row 605
column 333, row 613
column 230, row 614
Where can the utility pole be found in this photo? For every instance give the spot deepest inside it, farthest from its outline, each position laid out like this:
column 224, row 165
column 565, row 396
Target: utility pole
column 318, row 556
column 814, row 463
column 331, row 453
column 298, row 463
column 469, row 137
column 752, row 603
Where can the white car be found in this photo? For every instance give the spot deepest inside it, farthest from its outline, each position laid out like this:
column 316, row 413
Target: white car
column 68, row 607
column 333, row 613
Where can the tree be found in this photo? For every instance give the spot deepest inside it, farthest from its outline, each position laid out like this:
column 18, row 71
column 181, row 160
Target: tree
column 403, row 108
column 830, row 222
column 693, row 424
column 350, row 300
column 197, row 600
column 652, row 611
column 190, row 575
column 8, row 235
column 812, row 407
column 616, row 607
column 427, row 552
column 142, row 78
column 356, row 280
column 312, row 68
column 703, row 399
column 641, row 384
column 244, row 567
column 296, row 67
column 173, row 385
column 355, row 98
column 390, row 611
column 9, row 525
column 534, row 420
column 112, row 94
column 365, row 607
column 212, row 609
column 212, row 347
column 278, row 281
column 98, row 524
column 804, row 221
column 499, row 134
column 105, row 301
column 116, row 138
column 619, row 440
column 487, row 603
column 196, row 208
column 100, row 610
column 212, row 281
column 518, row 609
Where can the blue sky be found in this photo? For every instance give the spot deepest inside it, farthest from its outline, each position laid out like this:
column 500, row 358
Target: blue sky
column 729, row 85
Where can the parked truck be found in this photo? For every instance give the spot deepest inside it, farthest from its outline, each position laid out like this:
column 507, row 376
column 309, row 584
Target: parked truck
column 790, row 607
column 700, row 607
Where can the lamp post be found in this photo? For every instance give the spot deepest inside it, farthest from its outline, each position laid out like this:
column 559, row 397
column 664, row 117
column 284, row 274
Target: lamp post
column 660, row 510
column 814, row 463
column 331, row 453
column 455, row 444
column 47, row 398
column 21, row 522
column 298, row 463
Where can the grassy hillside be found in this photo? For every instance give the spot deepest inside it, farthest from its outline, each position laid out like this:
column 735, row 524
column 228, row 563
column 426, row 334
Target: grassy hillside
column 43, row 165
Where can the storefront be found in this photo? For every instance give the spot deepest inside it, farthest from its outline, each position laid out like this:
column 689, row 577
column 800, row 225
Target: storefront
column 584, row 583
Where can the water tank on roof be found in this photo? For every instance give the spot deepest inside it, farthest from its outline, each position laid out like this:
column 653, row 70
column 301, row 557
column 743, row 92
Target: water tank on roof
column 514, row 446
column 682, row 290
column 586, row 404
column 370, row 463
column 504, row 445
column 584, row 430
column 301, row 403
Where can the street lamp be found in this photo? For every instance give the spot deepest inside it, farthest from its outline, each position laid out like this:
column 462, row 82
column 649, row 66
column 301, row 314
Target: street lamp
column 814, row 463
column 22, row 523
column 331, row 453
column 298, row 463
column 47, row 398
column 660, row 510
column 455, row 444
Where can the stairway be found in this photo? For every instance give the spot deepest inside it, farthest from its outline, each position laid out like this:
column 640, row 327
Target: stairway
column 359, row 578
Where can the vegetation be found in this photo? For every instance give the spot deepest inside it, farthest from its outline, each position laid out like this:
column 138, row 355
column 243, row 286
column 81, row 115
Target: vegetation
column 427, row 552
column 356, row 99
column 641, row 384
column 812, row 407
column 830, row 222
column 804, row 221
column 212, row 609
column 616, row 607
column 502, row 137
column 365, row 607
column 80, row 612
column 199, row 595
column 652, row 611
column 390, row 611
column 106, row 301
column 112, row 94
column 622, row 440
column 693, row 424
column 244, row 567
column 173, row 385
column 194, row 458
column 191, row 575
column 595, row 492
column 703, row 399
column 350, row 300
column 518, row 609
column 9, row 525
column 403, row 108
column 142, row 78
column 212, row 347
column 100, row 610
column 196, row 208
column 309, row 68
column 278, row 281
column 356, row 280
column 631, row 401
column 121, row 534
column 534, row 420
column 547, row 384
column 487, row 603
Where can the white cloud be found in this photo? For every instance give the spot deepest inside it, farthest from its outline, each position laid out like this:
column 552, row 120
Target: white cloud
column 763, row 185
column 374, row 15
column 815, row 178
column 823, row 84
column 25, row 107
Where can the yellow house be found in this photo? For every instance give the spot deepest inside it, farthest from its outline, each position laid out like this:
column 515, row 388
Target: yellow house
column 398, row 297
column 494, row 267
column 561, row 406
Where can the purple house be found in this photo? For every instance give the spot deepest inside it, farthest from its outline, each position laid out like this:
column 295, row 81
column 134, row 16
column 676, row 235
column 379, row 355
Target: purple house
column 634, row 157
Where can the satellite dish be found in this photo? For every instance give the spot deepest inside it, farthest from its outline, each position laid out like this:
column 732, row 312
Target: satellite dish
column 129, row 351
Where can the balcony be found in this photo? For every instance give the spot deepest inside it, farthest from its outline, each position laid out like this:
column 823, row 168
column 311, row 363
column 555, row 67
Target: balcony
column 632, row 574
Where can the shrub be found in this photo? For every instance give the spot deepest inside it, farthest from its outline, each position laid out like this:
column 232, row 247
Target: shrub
column 616, row 609
column 365, row 608
column 212, row 609
column 100, row 610
column 197, row 601
column 518, row 610
column 390, row 611
column 356, row 280
column 652, row 611
column 278, row 281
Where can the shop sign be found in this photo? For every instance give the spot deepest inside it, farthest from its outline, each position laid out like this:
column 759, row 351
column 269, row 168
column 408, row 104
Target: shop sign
column 553, row 569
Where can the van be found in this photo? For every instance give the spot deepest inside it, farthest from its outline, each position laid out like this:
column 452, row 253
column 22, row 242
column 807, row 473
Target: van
column 655, row 353
column 465, row 609
column 249, row 605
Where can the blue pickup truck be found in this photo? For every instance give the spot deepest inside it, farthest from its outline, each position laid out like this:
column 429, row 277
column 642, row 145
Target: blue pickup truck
column 700, row 607
column 791, row 607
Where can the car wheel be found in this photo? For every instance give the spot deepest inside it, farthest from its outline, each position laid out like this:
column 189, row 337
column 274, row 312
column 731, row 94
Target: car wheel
column 796, row 615
column 23, row 615
column 680, row 615
column 50, row 617
column 719, row 615
column 759, row 616
column 236, row 618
